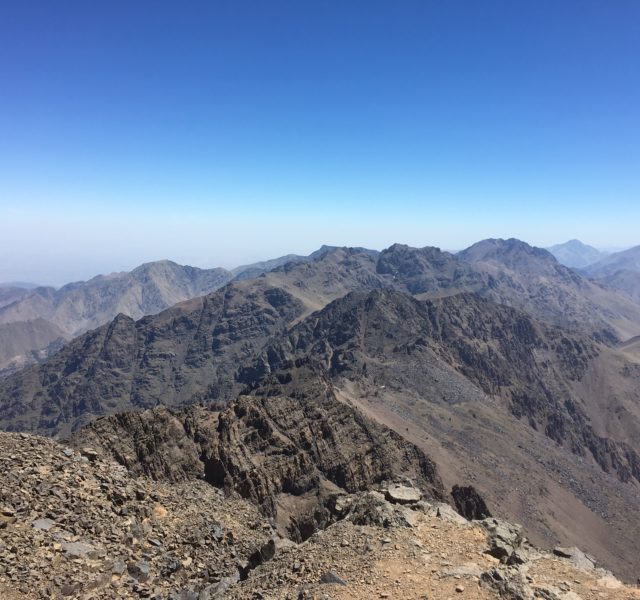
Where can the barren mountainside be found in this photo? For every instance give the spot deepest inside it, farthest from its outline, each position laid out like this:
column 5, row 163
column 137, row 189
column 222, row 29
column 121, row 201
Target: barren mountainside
column 193, row 351
column 497, row 367
column 619, row 271
column 533, row 280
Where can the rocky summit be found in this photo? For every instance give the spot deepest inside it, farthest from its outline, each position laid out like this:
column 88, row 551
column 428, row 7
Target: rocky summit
column 75, row 524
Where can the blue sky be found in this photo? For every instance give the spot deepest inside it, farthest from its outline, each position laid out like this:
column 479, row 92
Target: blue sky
column 218, row 133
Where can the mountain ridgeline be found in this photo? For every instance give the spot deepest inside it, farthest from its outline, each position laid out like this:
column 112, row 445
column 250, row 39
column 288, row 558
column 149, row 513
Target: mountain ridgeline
column 42, row 316
column 619, row 271
column 496, row 366
column 193, row 351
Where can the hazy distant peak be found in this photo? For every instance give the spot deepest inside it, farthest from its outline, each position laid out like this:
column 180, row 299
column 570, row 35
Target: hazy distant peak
column 504, row 251
column 627, row 260
column 26, row 285
column 157, row 265
column 576, row 254
column 325, row 250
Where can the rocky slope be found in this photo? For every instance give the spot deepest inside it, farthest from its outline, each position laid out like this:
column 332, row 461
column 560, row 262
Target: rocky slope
column 27, row 342
column 502, row 351
column 76, row 525
column 186, row 354
column 494, row 397
column 431, row 555
column 545, row 422
column 73, row 525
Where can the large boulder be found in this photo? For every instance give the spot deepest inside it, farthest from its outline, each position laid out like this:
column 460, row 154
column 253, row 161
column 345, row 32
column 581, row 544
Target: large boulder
column 469, row 503
column 503, row 538
column 577, row 557
column 402, row 494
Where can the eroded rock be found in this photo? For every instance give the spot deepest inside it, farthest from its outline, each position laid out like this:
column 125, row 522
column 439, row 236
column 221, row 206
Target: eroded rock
column 402, row 494
column 503, row 538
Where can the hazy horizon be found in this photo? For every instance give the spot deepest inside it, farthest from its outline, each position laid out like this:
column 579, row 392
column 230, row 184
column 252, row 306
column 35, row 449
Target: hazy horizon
column 214, row 134
column 128, row 266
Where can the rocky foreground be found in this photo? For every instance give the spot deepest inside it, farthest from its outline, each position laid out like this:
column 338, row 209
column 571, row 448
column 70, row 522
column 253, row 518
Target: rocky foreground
column 75, row 525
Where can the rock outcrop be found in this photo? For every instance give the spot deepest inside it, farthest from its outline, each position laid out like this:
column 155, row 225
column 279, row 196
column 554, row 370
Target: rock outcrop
column 79, row 528
column 469, row 503
column 284, row 452
column 76, row 525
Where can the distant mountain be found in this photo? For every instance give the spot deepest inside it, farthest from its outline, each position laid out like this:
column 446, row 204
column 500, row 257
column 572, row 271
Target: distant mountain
column 627, row 260
column 532, row 279
column 575, row 254
column 78, row 307
column 25, row 342
column 10, row 294
column 256, row 269
column 81, row 306
column 26, row 285
column 620, row 271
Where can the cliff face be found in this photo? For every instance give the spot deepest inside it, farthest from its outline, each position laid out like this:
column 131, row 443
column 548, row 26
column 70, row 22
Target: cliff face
column 284, row 448
column 531, row 366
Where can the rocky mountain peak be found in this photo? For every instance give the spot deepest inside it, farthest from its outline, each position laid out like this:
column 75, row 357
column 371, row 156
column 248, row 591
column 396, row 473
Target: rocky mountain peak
column 511, row 252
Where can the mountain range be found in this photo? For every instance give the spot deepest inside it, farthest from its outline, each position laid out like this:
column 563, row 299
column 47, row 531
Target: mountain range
column 500, row 366
column 619, row 271
column 42, row 318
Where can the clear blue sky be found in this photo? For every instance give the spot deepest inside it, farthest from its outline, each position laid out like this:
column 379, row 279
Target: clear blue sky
column 217, row 133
